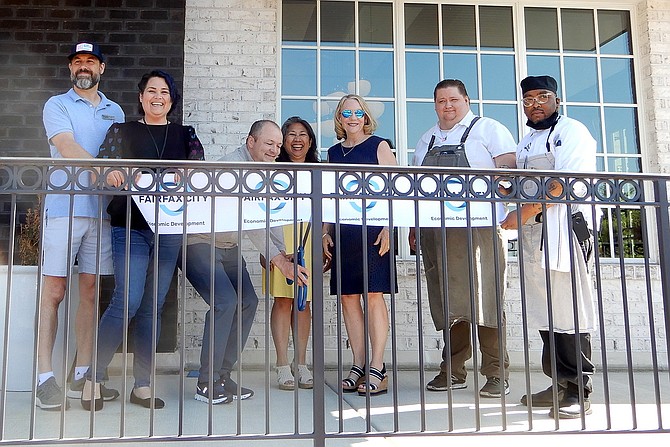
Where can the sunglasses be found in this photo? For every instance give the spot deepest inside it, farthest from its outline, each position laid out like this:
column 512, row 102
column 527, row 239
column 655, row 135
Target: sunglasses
column 347, row 113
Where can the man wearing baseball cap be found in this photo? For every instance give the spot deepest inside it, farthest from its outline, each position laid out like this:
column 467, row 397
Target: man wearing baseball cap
column 86, row 48
column 557, row 142
column 76, row 123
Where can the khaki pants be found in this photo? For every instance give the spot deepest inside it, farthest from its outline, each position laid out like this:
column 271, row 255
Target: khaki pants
column 461, row 350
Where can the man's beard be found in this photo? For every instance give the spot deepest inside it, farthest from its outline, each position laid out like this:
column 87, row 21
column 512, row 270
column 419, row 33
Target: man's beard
column 85, row 83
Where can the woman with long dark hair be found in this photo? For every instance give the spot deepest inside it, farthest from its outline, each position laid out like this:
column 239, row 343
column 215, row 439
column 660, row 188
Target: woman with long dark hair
column 299, row 147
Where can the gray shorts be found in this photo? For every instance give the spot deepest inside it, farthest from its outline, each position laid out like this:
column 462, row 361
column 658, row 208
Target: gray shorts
column 84, row 243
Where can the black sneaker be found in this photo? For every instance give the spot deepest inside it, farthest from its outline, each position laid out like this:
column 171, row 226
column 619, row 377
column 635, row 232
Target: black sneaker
column 218, row 396
column 230, row 386
column 493, row 387
column 442, row 382
column 77, row 386
column 50, row 396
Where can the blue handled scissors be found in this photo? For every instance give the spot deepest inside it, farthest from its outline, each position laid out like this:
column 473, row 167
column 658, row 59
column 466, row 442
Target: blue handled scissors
column 300, row 259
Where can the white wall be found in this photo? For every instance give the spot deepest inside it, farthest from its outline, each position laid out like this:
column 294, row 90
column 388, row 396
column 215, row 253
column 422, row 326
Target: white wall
column 231, row 71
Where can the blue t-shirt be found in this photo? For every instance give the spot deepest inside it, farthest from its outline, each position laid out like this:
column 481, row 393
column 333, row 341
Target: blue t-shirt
column 69, row 112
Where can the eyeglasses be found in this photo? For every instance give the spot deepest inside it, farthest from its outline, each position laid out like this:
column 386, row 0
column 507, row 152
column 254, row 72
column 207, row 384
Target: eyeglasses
column 347, row 113
column 542, row 98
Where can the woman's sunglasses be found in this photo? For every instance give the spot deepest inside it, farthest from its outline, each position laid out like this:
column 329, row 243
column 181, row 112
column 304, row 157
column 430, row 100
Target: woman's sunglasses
column 346, row 113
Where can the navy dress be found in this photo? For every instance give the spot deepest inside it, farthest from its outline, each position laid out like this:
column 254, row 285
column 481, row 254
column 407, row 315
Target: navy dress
column 351, row 237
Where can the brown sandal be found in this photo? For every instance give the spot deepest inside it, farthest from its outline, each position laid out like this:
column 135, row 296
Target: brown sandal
column 356, row 377
column 375, row 388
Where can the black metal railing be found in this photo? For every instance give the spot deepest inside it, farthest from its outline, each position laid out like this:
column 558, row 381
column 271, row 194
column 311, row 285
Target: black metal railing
column 631, row 300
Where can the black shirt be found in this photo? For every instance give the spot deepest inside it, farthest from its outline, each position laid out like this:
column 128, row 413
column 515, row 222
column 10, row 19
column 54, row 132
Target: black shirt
column 135, row 140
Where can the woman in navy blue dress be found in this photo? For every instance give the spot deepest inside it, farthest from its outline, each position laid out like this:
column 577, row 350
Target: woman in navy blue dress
column 355, row 125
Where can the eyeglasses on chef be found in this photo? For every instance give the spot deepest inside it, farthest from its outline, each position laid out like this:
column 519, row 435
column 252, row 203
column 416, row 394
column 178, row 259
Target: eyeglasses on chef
column 542, row 98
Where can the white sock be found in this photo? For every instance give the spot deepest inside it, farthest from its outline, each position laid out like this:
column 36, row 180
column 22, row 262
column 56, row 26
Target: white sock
column 79, row 372
column 43, row 377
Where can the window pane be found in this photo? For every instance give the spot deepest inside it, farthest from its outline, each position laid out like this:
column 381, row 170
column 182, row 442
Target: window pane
column 498, row 80
column 614, row 32
column 304, row 108
column 384, row 112
column 376, row 68
column 618, row 83
column 337, row 71
column 421, row 26
column 458, row 27
column 298, row 72
column 581, row 79
column 621, row 130
column 621, row 164
column 506, row 114
column 423, row 73
column 463, row 67
column 541, row 29
column 298, row 22
column 631, row 233
column 337, row 23
column 546, row 65
column 376, row 24
column 578, row 30
column 327, row 136
column 495, row 26
column 590, row 117
column 420, row 117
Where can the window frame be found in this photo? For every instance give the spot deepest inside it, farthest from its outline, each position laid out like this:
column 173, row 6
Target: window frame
column 520, row 53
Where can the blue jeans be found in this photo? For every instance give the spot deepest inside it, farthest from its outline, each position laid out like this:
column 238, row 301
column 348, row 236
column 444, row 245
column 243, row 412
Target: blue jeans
column 199, row 265
column 140, row 298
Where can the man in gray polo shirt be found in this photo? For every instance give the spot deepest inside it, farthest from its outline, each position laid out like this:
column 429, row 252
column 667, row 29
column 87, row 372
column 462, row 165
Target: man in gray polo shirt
column 76, row 123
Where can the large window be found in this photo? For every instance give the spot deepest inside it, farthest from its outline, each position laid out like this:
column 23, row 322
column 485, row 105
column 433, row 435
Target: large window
column 332, row 48
column 393, row 53
column 472, row 43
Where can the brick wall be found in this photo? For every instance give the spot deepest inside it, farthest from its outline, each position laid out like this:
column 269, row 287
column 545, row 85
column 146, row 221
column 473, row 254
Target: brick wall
column 231, row 80
column 639, row 307
column 230, row 69
column 35, row 38
column 654, row 57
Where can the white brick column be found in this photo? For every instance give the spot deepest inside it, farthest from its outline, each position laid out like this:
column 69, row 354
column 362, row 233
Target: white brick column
column 230, row 69
column 653, row 37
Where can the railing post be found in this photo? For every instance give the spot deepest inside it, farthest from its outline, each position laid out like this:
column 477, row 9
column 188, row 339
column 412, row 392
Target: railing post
column 318, row 344
column 663, row 225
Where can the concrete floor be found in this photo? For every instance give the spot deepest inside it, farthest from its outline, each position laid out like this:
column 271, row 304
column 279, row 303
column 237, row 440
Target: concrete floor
column 268, row 417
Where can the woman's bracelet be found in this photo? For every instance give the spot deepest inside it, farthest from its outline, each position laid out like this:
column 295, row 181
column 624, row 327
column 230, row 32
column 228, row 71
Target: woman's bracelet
column 324, row 235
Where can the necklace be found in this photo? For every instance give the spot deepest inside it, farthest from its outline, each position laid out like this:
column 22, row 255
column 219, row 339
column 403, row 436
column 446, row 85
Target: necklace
column 347, row 152
column 159, row 153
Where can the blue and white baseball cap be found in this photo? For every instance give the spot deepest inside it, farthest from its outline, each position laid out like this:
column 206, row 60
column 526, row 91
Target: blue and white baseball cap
column 86, row 48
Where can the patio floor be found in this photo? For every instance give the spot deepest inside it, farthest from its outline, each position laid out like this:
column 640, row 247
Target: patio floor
column 271, row 413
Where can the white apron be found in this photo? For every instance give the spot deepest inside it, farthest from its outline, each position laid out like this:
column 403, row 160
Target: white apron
column 559, row 243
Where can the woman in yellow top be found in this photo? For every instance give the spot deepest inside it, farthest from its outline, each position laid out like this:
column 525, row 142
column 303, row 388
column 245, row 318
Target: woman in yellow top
column 299, row 147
